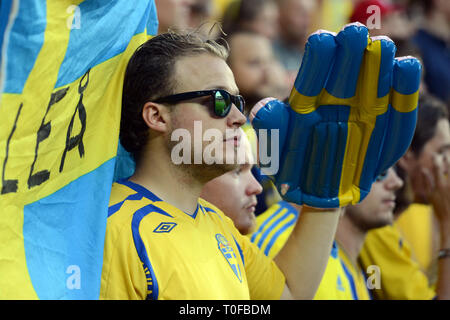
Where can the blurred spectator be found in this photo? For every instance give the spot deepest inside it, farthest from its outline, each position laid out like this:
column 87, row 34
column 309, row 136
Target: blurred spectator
column 426, row 165
column 201, row 11
column 256, row 72
column 259, row 16
column 382, row 18
column 431, row 138
column 173, row 14
column 258, row 75
column 433, row 41
column 418, row 224
column 375, row 211
column 295, row 20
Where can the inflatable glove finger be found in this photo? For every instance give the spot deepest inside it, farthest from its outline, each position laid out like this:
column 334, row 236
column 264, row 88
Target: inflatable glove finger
column 351, row 115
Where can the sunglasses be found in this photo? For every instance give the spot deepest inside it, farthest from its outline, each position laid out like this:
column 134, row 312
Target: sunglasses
column 223, row 100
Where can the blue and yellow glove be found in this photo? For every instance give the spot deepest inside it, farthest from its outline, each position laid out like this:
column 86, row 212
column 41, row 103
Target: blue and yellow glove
column 351, row 115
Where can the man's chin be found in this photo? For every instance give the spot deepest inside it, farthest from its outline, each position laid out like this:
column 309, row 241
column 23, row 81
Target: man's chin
column 208, row 172
column 380, row 223
column 249, row 228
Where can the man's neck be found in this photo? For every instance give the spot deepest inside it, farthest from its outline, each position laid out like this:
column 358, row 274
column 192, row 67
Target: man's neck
column 350, row 238
column 170, row 182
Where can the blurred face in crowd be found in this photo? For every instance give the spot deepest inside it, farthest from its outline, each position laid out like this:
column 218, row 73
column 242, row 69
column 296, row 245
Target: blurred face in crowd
column 250, row 59
column 394, row 25
column 377, row 209
column 420, row 166
column 266, row 21
column 173, row 13
column 200, row 12
column 235, row 194
column 442, row 6
column 204, row 71
column 295, row 19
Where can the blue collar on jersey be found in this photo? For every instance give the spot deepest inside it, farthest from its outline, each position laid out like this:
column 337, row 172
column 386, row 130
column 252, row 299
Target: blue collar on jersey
column 150, row 195
column 140, row 189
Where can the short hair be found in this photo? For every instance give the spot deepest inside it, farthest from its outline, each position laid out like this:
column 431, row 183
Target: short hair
column 431, row 110
column 150, row 75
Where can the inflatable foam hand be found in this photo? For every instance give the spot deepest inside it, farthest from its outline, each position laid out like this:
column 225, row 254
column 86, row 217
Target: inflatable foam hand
column 351, row 115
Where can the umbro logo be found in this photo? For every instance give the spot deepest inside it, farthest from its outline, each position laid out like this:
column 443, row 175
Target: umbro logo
column 165, row 227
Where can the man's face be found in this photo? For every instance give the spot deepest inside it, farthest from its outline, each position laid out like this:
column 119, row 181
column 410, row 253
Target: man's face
column 266, row 22
column 295, row 19
column 173, row 13
column 205, row 72
column 235, row 194
column 251, row 56
column 377, row 209
column 439, row 145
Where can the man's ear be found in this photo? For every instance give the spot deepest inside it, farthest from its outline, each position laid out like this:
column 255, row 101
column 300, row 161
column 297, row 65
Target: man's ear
column 156, row 116
column 407, row 161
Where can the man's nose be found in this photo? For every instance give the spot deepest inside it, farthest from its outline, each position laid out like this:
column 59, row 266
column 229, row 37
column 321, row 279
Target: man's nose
column 393, row 181
column 235, row 118
column 254, row 187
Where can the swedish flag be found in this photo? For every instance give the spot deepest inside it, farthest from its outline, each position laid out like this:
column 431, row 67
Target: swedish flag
column 61, row 72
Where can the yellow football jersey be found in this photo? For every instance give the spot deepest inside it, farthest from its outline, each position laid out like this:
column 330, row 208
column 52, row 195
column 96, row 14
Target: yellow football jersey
column 401, row 276
column 416, row 226
column 356, row 276
column 273, row 228
column 335, row 284
column 155, row 251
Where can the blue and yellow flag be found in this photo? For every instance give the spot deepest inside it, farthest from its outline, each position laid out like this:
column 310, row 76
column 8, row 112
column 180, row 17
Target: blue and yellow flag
column 61, row 74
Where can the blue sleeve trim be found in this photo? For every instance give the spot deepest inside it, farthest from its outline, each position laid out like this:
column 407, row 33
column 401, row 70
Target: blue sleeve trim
column 262, row 226
column 240, row 251
column 351, row 280
column 279, row 232
column 274, row 225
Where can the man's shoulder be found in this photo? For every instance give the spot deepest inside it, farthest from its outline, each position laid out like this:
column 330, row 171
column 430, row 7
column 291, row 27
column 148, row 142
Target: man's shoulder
column 119, row 192
column 124, row 199
column 130, row 205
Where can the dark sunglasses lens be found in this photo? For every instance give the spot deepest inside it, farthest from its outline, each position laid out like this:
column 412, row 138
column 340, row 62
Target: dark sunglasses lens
column 240, row 103
column 222, row 103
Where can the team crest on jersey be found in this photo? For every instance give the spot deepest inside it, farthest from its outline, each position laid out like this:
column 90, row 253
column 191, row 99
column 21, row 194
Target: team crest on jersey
column 229, row 255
